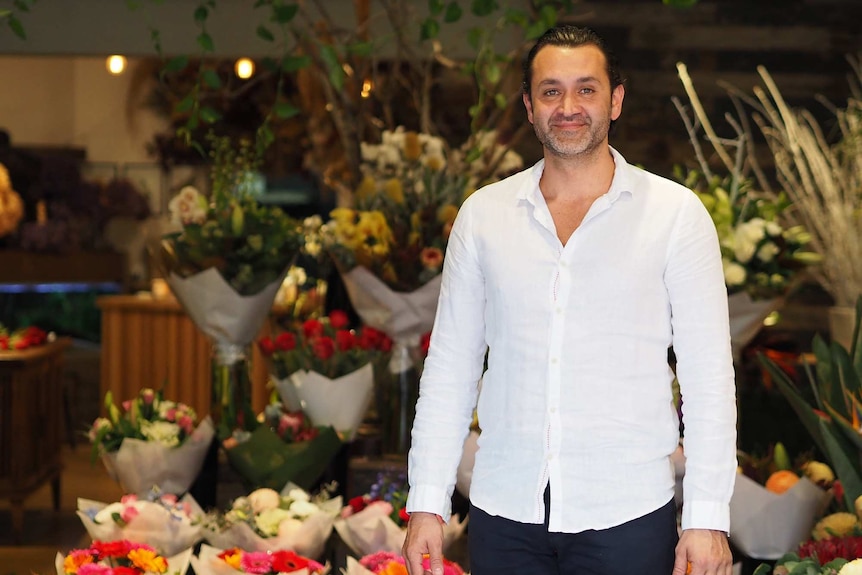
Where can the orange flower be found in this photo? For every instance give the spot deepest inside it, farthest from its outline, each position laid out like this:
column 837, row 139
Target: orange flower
column 232, row 557
column 147, row 560
column 76, row 559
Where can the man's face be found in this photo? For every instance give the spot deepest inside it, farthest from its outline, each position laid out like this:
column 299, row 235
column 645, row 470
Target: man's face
column 571, row 103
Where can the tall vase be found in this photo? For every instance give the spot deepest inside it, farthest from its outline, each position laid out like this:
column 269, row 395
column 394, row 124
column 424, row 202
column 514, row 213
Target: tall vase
column 397, row 392
column 231, row 390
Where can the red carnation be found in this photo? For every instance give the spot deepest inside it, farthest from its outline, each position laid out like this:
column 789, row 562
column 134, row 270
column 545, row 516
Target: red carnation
column 323, row 347
column 285, row 341
column 369, row 337
column 345, row 340
column 403, row 515
column 312, row 328
column 358, row 503
column 125, row 571
column 385, row 344
column 106, row 549
column 338, row 319
column 267, row 347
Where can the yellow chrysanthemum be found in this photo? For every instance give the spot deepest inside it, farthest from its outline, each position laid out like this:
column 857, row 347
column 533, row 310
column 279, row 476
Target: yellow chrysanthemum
column 415, row 221
column 394, row 190
column 367, row 188
column 343, row 216
column 147, row 560
column 435, row 163
column 412, row 146
column 834, row 525
column 446, row 214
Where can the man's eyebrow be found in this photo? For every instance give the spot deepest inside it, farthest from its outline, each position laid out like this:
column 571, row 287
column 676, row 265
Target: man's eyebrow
column 581, row 80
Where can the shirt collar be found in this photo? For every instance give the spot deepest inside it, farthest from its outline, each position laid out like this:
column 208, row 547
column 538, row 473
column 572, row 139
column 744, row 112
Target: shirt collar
column 623, row 179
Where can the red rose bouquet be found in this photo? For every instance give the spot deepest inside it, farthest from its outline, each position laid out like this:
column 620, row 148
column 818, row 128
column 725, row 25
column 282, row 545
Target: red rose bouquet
column 23, row 338
column 327, row 369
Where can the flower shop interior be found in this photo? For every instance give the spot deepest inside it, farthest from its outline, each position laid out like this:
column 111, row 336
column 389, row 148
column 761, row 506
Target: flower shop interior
column 147, row 144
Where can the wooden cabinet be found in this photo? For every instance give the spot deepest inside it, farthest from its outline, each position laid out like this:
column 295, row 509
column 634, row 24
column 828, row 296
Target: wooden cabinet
column 31, row 417
column 148, row 342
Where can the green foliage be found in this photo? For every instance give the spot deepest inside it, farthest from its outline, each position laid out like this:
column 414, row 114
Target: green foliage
column 833, row 420
column 10, row 15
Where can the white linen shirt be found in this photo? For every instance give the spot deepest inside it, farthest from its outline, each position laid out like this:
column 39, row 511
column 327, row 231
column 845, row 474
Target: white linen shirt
column 578, row 388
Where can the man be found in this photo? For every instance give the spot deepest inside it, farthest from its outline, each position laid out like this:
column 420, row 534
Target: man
column 577, row 275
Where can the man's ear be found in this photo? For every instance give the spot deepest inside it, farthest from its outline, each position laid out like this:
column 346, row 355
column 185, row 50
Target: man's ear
column 528, row 104
column 617, row 97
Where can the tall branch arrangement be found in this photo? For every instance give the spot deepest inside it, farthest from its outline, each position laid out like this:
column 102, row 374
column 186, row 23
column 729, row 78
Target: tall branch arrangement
column 823, row 179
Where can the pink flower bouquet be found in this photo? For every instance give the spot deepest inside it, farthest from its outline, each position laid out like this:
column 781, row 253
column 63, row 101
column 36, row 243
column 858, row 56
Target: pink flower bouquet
column 377, row 521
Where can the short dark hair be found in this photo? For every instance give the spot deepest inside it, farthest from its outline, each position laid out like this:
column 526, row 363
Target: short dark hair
column 570, row 36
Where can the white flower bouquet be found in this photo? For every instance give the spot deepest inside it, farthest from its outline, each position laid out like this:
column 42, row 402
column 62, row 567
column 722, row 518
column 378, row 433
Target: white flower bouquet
column 151, row 443
column 267, row 520
column 162, row 521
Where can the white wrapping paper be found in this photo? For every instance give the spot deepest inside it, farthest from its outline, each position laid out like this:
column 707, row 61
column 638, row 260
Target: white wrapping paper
column 218, row 310
column 765, row 525
column 341, row 402
column 140, row 465
column 207, row 563
column 177, row 564
column 372, row 530
column 307, row 540
column 153, row 525
column 404, row 317
column 746, row 318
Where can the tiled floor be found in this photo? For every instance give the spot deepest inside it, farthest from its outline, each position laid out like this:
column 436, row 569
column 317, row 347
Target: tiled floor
column 45, row 531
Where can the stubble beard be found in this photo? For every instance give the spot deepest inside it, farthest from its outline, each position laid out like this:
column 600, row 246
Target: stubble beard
column 585, row 143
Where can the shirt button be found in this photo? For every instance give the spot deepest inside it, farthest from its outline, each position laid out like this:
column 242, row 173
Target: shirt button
column 559, row 310
column 553, row 410
column 550, row 456
column 553, row 360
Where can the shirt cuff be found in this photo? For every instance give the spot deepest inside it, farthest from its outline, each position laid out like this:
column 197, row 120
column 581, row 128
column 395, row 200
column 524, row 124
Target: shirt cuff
column 706, row 515
column 430, row 499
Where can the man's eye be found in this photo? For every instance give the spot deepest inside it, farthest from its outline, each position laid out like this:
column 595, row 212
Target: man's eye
column 551, row 92
column 587, row 90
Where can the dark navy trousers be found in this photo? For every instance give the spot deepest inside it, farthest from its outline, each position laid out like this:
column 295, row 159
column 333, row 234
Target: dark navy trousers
column 642, row 546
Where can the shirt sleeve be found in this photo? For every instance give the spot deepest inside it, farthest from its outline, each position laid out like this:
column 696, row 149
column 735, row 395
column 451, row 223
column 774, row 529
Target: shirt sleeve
column 449, row 385
column 701, row 343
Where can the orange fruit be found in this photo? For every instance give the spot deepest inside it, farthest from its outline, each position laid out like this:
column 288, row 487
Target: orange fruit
column 781, row 480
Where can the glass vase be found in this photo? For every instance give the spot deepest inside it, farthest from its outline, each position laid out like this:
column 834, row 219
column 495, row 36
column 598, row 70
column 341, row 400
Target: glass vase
column 397, row 392
column 231, row 390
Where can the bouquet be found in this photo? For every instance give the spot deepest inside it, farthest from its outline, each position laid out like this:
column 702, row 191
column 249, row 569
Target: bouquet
column 120, row 557
column 327, row 370
column 267, row 520
column 391, row 563
column 285, row 448
column 836, row 556
column 151, row 442
column 775, row 503
column 24, row 338
column 760, row 255
column 377, row 521
column 162, row 521
column 405, row 207
column 215, row 561
column 225, row 266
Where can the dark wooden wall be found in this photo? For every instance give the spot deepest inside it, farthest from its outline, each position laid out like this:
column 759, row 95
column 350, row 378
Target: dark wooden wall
column 803, row 43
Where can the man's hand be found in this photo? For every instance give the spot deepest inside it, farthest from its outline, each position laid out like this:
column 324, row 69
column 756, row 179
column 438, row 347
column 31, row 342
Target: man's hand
column 424, row 537
column 703, row 552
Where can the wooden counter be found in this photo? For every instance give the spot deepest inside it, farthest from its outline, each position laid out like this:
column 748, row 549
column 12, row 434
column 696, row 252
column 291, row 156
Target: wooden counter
column 31, row 418
column 149, row 342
